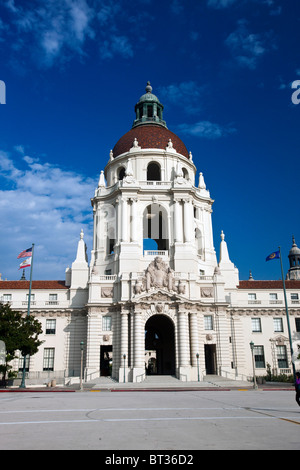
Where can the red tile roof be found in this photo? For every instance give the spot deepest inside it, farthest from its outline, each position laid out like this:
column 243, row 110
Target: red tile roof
column 268, row 285
column 35, row 285
column 149, row 136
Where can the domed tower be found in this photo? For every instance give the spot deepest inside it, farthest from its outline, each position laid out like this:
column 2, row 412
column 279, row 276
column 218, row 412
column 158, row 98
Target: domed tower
column 294, row 258
column 152, row 253
column 149, row 203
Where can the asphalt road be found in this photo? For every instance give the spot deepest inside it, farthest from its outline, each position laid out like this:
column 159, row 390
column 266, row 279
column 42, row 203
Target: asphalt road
column 154, row 421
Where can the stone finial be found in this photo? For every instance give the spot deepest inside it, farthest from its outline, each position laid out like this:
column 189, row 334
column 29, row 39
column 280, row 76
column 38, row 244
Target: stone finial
column 201, row 184
column 102, row 183
column 148, row 88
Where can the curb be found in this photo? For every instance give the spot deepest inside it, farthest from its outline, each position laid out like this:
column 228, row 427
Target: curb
column 34, row 390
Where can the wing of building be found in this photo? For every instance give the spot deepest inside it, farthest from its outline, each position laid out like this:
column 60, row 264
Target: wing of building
column 155, row 297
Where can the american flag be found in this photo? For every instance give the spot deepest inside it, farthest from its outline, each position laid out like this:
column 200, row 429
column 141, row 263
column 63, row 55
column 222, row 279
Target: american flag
column 25, row 253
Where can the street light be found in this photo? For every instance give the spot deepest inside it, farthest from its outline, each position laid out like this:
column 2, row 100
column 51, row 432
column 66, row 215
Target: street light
column 81, row 363
column 197, row 356
column 124, row 358
column 253, row 365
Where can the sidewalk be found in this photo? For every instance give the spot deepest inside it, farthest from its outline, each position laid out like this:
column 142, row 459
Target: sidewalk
column 157, row 383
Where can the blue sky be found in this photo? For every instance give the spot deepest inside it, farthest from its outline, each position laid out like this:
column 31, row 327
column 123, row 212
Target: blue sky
column 73, row 71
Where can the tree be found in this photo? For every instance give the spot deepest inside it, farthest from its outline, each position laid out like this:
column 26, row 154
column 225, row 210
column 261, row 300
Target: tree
column 20, row 333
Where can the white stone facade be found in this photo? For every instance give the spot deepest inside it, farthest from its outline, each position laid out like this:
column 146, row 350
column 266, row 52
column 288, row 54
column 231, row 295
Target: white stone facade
column 173, row 299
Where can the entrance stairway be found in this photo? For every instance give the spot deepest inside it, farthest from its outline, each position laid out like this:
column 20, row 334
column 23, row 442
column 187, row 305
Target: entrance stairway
column 167, row 382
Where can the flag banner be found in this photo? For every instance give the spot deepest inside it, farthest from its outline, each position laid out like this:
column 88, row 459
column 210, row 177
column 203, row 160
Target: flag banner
column 25, row 253
column 26, row 263
column 274, row 255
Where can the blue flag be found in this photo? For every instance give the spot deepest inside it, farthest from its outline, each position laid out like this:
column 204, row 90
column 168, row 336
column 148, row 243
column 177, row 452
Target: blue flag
column 274, row 255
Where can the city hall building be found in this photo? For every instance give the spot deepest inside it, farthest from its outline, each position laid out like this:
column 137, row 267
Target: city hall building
column 156, row 297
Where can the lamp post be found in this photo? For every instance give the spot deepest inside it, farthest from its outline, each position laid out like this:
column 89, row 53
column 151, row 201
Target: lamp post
column 197, row 356
column 81, row 363
column 253, row 365
column 124, row 358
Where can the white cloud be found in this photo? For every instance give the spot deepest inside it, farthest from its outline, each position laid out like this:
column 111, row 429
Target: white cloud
column 248, row 48
column 116, row 45
column 54, row 31
column 218, row 4
column 46, row 205
column 188, row 95
column 206, row 130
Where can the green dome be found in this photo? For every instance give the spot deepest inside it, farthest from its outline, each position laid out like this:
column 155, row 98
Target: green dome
column 149, row 109
column 149, row 95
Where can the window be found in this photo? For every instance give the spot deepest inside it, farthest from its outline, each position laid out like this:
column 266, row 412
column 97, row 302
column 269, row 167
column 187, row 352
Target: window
column 150, row 111
column 53, row 299
column 273, row 298
column 278, row 325
column 48, row 361
column 259, row 357
column 282, row 357
column 208, row 322
column 31, row 297
column 6, row 297
column 50, row 327
column 106, row 323
column 153, row 172
column 121, row 173
column 252, row 299
column 297, row 321
column 256, row 325
column 295, row 298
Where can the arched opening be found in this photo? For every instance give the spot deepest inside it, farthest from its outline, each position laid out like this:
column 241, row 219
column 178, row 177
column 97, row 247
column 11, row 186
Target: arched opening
column 155, row 226
column 153, row 172
column 160, row 346
column 121, row 173
column 185, row 173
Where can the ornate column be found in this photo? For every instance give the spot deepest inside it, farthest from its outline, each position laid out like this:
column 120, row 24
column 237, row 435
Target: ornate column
column 118, row 220
column 184, row 345
column 177, row 221
column 123, row 370
column 188, row 225
column 134, row 231
column 194, row 338
column 124, row 223
column 138, row 348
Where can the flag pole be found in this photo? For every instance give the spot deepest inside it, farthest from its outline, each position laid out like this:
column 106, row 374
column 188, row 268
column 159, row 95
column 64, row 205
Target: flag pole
column 30, row 283
column 287, row 317
column 28, row 313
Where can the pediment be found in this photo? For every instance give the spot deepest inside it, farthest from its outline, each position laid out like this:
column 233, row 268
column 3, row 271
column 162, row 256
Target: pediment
column 157, row 295
column 280, row 340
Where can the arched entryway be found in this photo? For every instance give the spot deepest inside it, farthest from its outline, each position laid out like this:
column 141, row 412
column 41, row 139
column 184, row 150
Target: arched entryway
column 160, row 346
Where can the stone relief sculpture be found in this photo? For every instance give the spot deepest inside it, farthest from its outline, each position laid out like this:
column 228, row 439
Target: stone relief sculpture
column 158, row 275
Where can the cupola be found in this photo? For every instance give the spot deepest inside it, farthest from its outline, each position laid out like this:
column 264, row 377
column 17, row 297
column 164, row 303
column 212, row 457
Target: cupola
column 149, row 109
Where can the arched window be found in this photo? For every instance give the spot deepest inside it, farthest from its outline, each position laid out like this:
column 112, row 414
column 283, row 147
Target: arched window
column 121, row 173
column 155, row 227
column 153, row 172
column 185, row 173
